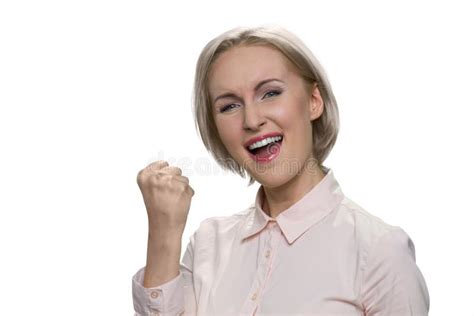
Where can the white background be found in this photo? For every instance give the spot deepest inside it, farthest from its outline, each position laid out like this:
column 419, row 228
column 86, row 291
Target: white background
column 93, row 91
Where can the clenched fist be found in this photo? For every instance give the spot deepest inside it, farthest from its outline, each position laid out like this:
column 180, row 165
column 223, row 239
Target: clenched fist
column 167, row 196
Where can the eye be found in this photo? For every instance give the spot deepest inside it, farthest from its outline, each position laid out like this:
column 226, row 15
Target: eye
column 226, row 107
column 272, row 91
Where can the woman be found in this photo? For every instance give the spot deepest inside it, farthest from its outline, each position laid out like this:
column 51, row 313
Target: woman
column 265, row 109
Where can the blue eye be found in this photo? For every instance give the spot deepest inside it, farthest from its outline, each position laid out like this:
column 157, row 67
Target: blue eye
column 273, row 91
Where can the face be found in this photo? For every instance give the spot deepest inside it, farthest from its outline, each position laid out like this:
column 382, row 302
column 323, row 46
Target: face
column 246, row 105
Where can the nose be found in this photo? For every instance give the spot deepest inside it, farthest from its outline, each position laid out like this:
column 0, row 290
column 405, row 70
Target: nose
column 252, row 118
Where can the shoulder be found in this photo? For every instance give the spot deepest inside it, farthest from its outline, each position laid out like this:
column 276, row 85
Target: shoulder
column 222, row 225
column 375, row 239
column 390, row 277
column 368, row 228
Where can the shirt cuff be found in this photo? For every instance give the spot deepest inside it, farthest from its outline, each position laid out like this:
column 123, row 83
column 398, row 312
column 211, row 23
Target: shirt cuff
column 166, row 299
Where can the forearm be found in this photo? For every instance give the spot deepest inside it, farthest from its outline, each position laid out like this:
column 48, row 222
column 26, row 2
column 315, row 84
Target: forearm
column 163, row 257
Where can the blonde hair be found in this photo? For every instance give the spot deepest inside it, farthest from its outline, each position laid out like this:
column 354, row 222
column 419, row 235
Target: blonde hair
column 325, row 128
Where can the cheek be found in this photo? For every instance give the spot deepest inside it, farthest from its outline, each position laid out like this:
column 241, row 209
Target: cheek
column 290, row 113
column 227, row 130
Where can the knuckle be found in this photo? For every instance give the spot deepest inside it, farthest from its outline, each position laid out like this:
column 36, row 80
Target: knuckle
column 157, row 164
column 161, row 179
column 161, row 164
column 140, row 177
column 181, row 186
column 172, row 169
column 183, row 179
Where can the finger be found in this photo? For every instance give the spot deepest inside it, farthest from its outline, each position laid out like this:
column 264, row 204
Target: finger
column 181, row 178
column 157, row 165
column 191, row 189
column 171, row 170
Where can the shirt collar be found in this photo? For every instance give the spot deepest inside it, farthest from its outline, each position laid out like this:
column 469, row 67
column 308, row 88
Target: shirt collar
column 299, row 217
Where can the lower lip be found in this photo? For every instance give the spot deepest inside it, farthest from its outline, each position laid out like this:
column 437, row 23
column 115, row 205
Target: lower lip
column 275, row 149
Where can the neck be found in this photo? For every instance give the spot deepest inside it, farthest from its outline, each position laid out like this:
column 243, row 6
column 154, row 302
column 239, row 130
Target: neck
column 276, row 200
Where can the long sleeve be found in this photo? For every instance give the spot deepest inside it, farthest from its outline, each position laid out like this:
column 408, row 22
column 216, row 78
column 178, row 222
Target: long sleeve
column 392, row 283
column 175, row 297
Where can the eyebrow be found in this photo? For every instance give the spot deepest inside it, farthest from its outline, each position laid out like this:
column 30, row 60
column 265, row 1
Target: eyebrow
column 232, row 95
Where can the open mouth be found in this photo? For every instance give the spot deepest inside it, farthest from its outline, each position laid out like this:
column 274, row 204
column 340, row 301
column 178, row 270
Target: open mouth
column 272, row 148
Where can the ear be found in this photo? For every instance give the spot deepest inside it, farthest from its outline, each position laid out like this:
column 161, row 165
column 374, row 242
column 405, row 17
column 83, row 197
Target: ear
column 316, row 103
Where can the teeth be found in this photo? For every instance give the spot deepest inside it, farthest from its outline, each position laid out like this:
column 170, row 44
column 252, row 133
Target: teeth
column 264, row 142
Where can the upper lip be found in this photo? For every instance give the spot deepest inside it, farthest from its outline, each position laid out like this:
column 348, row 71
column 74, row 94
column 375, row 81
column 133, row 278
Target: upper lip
column 260, row 138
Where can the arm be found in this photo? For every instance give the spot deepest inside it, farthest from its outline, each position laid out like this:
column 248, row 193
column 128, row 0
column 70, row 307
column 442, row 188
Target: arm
column 159, row 286
column 174, row 297
column 392, row 283
column 162, row 264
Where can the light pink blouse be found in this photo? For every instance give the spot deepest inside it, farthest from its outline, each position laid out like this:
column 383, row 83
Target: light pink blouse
column 324, row 255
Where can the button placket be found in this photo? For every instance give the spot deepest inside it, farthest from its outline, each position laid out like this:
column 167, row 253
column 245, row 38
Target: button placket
column 258, row 285
column 267, row 254
column 269, row 247
column 262, row 270
column 154, row 294
column 274, row 232
column 254, row 296
column 275, row 239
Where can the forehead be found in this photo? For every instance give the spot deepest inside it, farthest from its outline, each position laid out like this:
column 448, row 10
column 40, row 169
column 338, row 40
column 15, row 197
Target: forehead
column 242, row 66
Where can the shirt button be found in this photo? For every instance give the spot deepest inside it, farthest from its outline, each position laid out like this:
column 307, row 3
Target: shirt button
column 154, row 294
column 254, row 296
column 267, row 254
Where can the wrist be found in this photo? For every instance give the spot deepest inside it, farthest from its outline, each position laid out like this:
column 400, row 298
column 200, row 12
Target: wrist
column 165, row 236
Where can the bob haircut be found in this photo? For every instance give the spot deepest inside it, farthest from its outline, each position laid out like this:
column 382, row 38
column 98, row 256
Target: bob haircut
column 325, row 128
